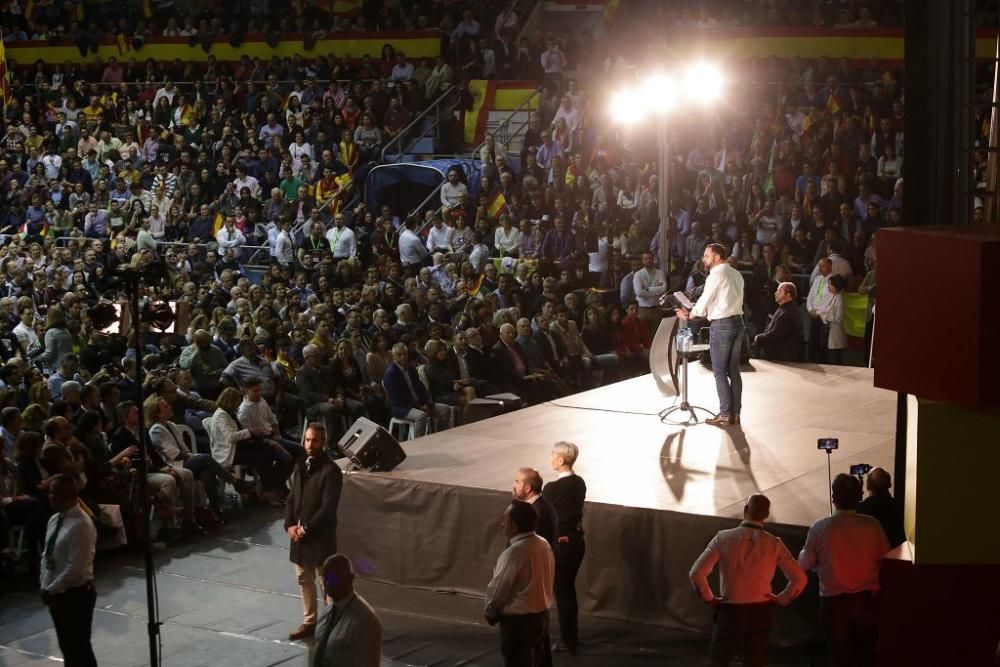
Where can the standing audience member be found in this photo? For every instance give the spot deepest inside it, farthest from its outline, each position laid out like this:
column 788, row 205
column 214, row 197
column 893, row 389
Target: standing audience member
column 846, row 550
column 67, row 579
column 567, row 494
column 350, row 632
column 747, row 557
column 528, row 488
column 520, row 594
column 881, row 505
column 311, row 520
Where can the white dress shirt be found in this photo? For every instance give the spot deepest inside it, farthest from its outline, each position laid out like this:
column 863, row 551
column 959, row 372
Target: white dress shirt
column 230, row 238
column 411, row 250
column 343, row 242
column 747, row 557
column 72, row 554
column 356, row 637
column 846, row 550
column 723, row 294
column 256, row 416
column 507, row 241
column 284, row 249
column 439, row 237
column 819, row 296
column 649, row 286
column 523, row 577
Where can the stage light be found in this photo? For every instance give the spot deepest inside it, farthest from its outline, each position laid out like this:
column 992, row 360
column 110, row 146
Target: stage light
column 659, row 92
column 703, row 83
column 627, row 107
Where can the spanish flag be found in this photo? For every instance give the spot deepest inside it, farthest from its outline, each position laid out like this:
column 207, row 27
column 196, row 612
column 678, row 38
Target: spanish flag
column 123, row 43
column 496, row 205
column 4, row 75
column 29, row 11
column 346, row 7
column 219, row 223
column 147, row 9
column 832, row 104
column 474, row 290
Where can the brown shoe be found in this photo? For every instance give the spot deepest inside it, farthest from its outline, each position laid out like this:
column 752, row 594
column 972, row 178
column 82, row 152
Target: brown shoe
column 719, row 420
column 302, row 632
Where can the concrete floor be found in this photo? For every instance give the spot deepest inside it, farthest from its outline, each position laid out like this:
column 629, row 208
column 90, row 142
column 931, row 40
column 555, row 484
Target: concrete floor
column 231, row 599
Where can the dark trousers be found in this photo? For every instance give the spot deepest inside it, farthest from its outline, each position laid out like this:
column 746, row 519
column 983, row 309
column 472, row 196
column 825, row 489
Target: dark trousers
column 522, row 639
column 274, row 467
column 568, row 551
column 31, row 515
column 741, row 628
column 850, row 627
column 817, row 341
column 210, row 473
column 73, row 614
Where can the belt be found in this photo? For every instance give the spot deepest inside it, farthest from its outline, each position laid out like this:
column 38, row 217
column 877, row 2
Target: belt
column 723, row 319
column 84, row 588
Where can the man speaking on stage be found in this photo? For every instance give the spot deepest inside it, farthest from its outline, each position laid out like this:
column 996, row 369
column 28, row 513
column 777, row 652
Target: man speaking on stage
column 722, row 303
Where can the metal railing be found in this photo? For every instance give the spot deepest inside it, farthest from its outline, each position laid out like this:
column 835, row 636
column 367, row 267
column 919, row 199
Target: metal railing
column 414, row 126
column 501, row 132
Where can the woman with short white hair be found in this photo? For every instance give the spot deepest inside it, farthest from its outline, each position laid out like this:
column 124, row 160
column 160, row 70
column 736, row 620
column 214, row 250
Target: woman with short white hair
column 567, row 494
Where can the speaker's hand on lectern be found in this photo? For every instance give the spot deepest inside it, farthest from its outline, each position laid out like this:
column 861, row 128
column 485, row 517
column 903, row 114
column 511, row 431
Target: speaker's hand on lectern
column 681, row 313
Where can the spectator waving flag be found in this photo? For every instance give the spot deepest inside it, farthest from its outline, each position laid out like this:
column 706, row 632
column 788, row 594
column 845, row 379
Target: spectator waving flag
column 496, row 205
column 218, row 223
column 4, row 76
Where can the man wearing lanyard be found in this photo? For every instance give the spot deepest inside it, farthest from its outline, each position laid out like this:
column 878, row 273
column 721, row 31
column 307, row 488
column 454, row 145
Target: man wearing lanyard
column 67, row 577
column 722, row 303
column 343, row 243
column 747, row 557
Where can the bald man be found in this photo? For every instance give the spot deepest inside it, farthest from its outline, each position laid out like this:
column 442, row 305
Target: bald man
column 206, row 363
column 350, row 632
column 880, row 505
column 747, row 557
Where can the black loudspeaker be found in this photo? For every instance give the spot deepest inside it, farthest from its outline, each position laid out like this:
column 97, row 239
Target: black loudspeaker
column 371, row 447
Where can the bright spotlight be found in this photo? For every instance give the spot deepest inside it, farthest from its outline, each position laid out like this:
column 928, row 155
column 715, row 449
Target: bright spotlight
column 659, row 92
column 627, row 107
column 703, row 83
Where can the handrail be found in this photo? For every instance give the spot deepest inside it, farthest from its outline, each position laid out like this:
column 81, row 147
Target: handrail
column 419, row 117
column 506, row 122
column 434, row 193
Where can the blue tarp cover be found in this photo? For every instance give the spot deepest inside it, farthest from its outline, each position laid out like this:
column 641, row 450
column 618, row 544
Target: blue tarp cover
column 404, row 185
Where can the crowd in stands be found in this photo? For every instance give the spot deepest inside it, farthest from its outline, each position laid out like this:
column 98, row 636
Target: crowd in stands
column 291, row 301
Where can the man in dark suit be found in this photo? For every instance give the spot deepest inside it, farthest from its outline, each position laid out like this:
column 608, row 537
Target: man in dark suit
column 510, row 368
column 782, row 339
column 321, row 399
column 528, row 487
column 407, row 396
column 879, row 504
column 311, row 520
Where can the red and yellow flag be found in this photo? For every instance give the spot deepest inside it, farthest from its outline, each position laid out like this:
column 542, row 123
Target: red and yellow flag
column 496, row 205
column 220, row 222
column 4, row 74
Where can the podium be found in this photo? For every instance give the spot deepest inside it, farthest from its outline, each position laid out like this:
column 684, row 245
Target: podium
column 680, row 372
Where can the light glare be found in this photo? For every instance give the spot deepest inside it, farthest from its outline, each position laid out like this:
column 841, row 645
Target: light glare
column 627, row 106
column 659, row 92
column 703, row 83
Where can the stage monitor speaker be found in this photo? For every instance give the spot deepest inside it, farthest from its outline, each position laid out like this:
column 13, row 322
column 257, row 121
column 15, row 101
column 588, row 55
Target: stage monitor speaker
column 371, row 447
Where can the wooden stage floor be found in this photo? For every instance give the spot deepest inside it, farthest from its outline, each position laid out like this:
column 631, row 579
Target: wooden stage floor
column 629, row 458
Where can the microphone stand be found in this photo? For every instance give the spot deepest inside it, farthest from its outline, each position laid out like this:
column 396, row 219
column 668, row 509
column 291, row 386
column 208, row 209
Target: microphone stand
column 132, row 278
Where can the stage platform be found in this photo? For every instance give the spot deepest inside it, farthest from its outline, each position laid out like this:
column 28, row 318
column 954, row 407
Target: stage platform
column 656, row 493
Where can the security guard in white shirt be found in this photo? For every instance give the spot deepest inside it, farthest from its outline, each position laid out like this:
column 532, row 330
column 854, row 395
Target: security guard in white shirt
column 747, row 557
column 722, row 303
column 67, row 575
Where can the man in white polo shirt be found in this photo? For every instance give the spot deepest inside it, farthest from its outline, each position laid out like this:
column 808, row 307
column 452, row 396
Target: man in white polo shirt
column 343, row 242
